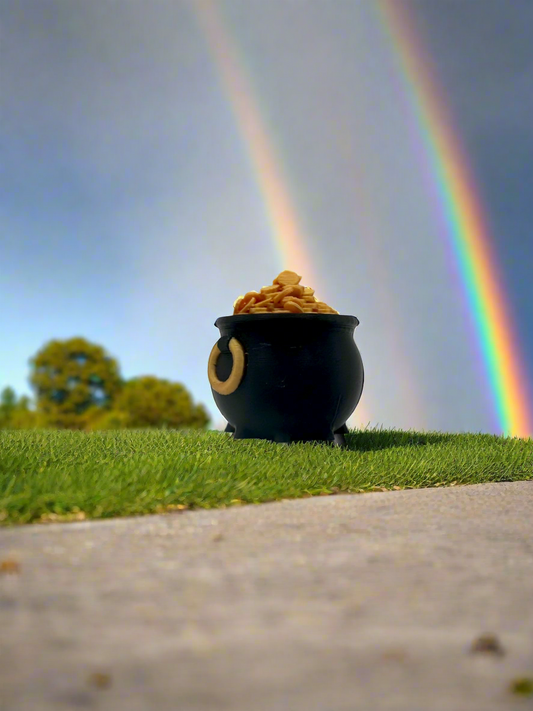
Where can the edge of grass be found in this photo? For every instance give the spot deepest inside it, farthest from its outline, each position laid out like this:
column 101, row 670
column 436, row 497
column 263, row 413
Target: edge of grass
column 50, row 476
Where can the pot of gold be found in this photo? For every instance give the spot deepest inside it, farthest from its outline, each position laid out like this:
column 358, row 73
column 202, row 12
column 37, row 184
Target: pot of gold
column 286, row 367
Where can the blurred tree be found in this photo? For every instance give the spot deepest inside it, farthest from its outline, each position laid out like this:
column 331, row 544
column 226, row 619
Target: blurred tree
column 200, row 417
column 147, row 401
column 8, row 401
column 23, row 416
column 16, row 414
column 112, row 420
column 75, row 382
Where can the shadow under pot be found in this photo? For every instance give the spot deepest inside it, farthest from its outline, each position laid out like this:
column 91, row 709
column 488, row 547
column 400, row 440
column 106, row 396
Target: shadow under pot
column 287, row 377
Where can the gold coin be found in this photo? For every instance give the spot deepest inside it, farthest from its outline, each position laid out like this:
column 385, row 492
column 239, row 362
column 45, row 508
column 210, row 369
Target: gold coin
column 287, row 278
column 298, row 301
column 247, row 306
column 270, row 289
column 297, row 290
column 282, row 294
column 254, row 295
column 237, row 305
column 292, row 306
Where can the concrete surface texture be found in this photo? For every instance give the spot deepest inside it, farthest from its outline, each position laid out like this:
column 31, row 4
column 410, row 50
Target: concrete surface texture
column 366, row 602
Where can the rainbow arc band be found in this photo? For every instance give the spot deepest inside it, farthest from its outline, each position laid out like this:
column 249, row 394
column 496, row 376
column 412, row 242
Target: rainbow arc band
column 226, row 387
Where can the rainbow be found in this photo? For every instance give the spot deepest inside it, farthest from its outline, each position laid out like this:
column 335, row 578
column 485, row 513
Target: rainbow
column 368, row 225
column 284, row 223
column 466, row 228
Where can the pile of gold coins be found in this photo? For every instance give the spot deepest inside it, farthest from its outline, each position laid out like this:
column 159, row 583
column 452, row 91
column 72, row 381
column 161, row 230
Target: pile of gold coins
column 285, row 295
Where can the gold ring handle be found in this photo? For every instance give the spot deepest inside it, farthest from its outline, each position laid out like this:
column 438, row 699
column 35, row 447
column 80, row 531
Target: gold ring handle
column 226, row 387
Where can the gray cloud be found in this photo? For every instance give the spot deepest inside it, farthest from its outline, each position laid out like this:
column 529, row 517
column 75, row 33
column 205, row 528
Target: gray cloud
column 482, row 52
column 114, row 122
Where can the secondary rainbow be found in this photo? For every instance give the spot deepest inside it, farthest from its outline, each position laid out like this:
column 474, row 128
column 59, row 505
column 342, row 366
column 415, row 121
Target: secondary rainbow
column 466, row 227
column 284, row 223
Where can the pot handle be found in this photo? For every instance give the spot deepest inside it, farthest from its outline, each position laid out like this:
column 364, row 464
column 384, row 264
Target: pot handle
column 226, row 387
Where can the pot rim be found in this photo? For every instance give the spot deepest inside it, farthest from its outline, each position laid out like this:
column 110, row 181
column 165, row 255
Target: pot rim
column 338, row 319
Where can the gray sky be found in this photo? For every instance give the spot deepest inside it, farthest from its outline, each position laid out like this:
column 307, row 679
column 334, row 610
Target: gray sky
column 130, row 212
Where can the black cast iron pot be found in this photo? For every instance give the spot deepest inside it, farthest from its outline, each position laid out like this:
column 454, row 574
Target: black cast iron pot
column 286, row 377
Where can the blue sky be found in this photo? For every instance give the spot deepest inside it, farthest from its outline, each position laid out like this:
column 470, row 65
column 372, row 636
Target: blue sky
column 130, row 213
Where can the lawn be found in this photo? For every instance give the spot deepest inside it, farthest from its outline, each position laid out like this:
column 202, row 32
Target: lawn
column 50, row 475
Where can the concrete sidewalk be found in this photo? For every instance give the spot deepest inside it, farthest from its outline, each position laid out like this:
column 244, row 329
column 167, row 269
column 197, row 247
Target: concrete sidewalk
column 352, row 603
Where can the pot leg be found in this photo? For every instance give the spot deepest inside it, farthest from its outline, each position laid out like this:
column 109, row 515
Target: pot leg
column 343, row 429
column 338, row 435
column 339, row 439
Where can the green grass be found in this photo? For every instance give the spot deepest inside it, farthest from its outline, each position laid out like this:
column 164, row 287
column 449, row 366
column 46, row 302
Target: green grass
column 50, row 475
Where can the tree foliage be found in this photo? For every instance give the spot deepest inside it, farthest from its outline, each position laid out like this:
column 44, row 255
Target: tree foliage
column 8, row 401
column 147, row 401
column 16, row 413
column 74, row 382
column 78, row 385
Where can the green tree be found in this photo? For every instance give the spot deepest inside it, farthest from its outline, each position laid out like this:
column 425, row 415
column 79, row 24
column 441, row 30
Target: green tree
column 148, row 401
column 75, row 382
column 16, row 414
column 8, row 401
column 24, row 417
column 200, row 418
